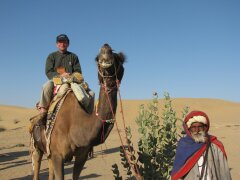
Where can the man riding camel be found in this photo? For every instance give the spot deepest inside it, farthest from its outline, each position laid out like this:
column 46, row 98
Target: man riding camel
column 62, row 63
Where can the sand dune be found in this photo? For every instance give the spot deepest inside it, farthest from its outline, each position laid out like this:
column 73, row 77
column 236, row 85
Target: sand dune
column 14, row 156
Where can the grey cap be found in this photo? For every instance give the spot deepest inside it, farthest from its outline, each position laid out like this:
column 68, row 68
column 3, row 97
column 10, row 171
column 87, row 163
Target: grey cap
column 62, row 37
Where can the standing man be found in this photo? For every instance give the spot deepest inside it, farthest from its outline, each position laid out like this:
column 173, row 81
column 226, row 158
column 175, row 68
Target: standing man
column 61, row 62
column 200, row 156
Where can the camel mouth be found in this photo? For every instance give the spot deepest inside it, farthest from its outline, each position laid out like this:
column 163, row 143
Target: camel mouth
column 105, row 62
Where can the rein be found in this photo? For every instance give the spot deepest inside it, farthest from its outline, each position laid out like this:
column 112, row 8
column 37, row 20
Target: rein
column 107, row 90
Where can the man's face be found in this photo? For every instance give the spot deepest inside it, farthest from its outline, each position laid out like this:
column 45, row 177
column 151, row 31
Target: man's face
column 62, row 46
column 198, row 132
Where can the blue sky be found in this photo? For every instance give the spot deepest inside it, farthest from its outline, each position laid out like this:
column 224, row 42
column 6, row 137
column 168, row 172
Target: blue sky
column 188, row 48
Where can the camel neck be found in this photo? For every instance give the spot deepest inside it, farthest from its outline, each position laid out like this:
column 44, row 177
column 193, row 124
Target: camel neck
column 106, row 110
column 107, row 104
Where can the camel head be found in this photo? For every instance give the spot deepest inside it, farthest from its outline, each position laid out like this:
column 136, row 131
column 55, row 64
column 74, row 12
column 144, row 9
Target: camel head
column 110, row 66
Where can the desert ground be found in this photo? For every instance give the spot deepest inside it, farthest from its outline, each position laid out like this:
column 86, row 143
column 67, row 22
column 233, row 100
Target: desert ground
column 15, row 160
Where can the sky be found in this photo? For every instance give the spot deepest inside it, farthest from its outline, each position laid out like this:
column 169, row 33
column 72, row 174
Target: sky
column 188, row 48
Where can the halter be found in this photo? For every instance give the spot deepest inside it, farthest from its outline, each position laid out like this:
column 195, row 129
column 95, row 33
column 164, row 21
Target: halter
column 107, row 88
column 108, row 66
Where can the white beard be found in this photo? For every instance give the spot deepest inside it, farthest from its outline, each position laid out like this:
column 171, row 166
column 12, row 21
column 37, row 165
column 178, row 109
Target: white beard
column 199, row 136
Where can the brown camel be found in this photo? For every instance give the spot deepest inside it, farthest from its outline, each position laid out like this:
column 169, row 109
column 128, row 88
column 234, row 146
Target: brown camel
column 75, row 132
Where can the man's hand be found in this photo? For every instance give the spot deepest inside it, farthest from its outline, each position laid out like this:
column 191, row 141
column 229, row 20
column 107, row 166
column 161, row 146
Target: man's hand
column 65, row 75
column 61, row 70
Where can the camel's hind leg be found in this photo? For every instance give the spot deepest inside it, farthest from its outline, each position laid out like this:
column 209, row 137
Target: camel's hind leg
column 36, row 162
column 79, row 163
column 58, row 166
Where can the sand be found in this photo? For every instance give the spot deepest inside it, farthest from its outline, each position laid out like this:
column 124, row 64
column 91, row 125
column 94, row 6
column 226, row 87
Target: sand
column 14, row 147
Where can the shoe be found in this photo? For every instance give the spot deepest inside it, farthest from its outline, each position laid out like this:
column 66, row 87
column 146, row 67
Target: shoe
column 38, row 119
column 43, row 110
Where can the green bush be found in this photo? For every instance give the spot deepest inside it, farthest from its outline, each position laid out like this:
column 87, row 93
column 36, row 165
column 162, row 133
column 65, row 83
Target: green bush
column 157, row 142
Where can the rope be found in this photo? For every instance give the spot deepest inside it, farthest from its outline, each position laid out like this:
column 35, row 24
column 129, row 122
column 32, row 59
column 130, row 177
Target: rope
column 135, row 168
column 102, row 137
column 124, row 125
column 133, row 165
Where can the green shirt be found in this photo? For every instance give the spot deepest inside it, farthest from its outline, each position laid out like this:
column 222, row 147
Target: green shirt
column 57, row 59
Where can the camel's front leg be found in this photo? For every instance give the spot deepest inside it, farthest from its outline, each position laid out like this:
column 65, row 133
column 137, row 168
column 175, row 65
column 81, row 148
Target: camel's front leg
column 51, row 170
column 58, row 166
column 80, row 160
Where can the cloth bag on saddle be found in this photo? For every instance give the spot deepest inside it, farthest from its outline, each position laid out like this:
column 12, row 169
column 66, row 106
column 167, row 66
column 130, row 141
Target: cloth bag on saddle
column 83, row 93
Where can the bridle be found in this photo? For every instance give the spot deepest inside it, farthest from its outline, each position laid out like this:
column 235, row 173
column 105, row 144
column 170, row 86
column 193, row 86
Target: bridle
column 105, row 78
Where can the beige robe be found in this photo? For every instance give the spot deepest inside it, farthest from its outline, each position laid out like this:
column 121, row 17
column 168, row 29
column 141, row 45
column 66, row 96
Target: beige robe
column 222, row 170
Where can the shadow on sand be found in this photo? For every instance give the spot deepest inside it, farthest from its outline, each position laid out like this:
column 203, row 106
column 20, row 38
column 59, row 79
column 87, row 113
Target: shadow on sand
column 44, row 175
column 9, row 161
column 12, row 156
column 107, row 151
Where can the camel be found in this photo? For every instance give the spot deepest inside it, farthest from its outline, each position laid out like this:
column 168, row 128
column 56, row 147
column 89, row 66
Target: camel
column 75, row 132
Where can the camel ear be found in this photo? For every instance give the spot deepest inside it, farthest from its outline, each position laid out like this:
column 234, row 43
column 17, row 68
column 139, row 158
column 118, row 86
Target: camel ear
column 96, row 58
column 120, row 76
column 122, row 57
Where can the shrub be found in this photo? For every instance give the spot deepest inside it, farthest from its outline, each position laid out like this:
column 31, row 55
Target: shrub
column 157, row 142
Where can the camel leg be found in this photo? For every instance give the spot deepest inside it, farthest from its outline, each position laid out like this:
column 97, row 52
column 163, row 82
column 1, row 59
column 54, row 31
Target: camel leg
column 51, row 170
column 58, row 166
column 90, row 154
column 36, row 161
column 79, row 163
